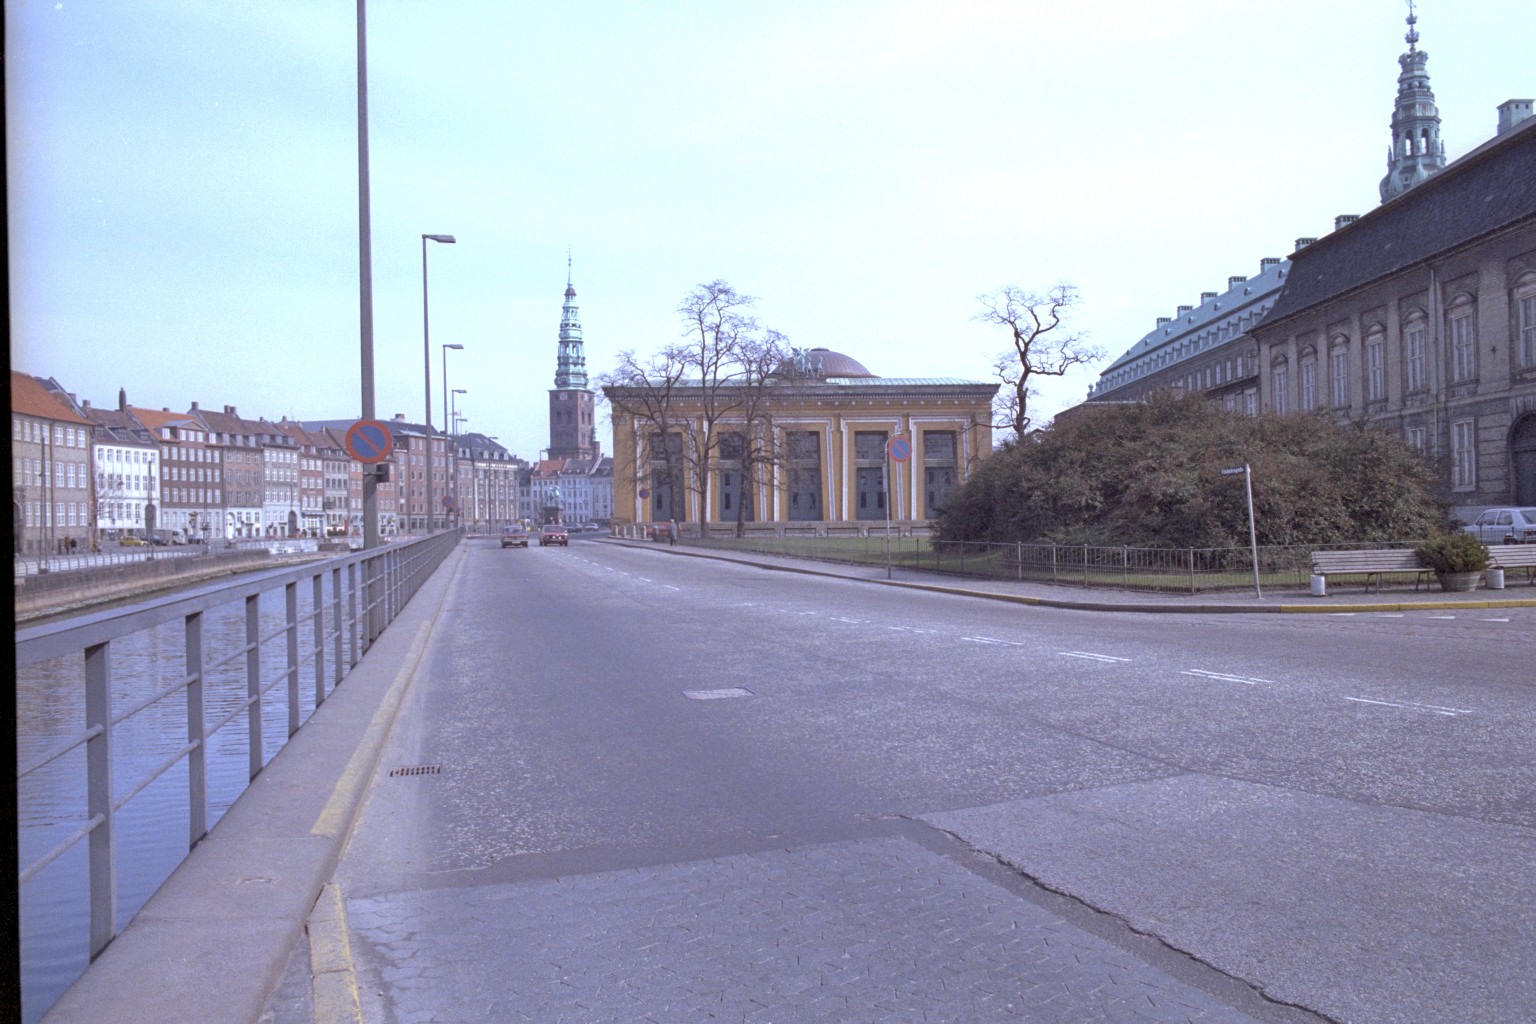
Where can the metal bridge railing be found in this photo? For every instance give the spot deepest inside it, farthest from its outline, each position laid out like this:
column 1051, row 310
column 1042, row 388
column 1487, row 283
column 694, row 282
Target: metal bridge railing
column 352, row 598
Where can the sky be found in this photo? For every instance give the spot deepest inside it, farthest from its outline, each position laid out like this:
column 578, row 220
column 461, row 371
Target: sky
column 182, row 178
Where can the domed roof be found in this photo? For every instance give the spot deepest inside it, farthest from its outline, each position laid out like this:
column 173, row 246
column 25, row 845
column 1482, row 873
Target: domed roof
column 835, row 364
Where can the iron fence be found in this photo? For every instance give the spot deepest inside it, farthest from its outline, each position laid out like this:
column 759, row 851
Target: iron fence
column 352, row 598
column 1175, row 570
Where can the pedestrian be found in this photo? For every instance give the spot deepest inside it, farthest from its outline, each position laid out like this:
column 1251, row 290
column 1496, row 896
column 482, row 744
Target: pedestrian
column 672, row 533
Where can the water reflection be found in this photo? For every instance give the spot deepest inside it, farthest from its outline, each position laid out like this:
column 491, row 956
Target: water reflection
column 152, row 828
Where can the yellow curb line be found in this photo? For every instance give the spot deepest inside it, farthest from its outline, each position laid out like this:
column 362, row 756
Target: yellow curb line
column 336, row 999
column 354, row 778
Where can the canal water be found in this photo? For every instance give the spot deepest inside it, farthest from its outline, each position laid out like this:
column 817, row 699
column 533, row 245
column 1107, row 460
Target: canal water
column 152, row 828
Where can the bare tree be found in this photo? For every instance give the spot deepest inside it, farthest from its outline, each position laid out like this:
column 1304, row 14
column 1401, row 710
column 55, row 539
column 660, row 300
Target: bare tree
column 1042, row 345
column 690, row 390
column 645, row 390
column 761, row 358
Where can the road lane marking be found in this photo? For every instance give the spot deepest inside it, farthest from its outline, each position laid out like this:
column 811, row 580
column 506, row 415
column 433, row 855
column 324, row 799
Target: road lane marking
column 1434, row 709
column 1447, row 617
column 1495, row 620
column 1110, row 658
column 992, row 640
column 1224, row 677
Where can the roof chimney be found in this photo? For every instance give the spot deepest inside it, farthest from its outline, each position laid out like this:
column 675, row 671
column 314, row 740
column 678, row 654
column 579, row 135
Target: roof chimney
column 229, row 410
column 1302, row 243
column 122, row 399
column 1207, row 296
column 1343, row 219
column 1164, row 320
column 1234, row 281
column 1512, row 112
column 1267, row 262
column 194, row 407
column 1185, row 309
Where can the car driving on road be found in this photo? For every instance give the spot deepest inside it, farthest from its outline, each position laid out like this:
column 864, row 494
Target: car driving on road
column 554, row 533
column 514, row 537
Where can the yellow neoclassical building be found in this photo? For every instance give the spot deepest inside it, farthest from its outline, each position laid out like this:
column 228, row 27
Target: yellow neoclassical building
column 807, row 452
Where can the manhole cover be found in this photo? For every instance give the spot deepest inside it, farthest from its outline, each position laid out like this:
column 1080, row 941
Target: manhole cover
column 416, row 769
column 730, row 691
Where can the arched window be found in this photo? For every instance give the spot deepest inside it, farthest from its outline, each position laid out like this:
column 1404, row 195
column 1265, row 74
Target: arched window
column 1307, row 379
column 1338, row 372
column 1461, row 330
column 1375, row 363
column 1525, row 321
column 1413, row 331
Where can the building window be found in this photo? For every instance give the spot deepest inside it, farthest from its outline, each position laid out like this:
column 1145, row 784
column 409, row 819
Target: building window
column 869, row 474
column 1413, row 355
column 1416, row 438
column 1308, row 382
column 1375, row 367
column 1338, row 377
column 1280, row 378
column 733, row 475
column 1463, row 332
column 803, row 448
column 1463, row 455
column 1526, row 327
column 939, row 470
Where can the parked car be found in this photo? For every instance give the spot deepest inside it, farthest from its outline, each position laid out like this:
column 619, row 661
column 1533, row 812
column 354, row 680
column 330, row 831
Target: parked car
column 1505, row 526
column 554, row 533
column 130, row 542
column 514, row 537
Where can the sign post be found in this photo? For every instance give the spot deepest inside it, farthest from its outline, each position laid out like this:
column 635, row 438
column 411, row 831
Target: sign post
column 899, row 449
column 1253, row 533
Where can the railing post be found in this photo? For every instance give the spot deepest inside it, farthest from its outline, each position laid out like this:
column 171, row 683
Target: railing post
column 336, row 618
column 291, row 668
column 98, row 781
column 1085, row 565
column 1055, row 568
column 1192, row 571
column 197, row 734
column 317, row 619
column 253, row 679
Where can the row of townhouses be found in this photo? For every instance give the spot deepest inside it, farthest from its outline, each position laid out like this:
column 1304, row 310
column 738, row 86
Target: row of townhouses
column 1418, row 317
column 83, row 474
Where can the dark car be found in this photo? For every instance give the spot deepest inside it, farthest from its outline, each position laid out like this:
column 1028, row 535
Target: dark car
column 514, row 537
column 554, row 533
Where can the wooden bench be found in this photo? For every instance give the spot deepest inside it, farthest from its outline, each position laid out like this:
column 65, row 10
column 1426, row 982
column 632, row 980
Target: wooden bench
column 1514, row 556
column 1371, row 564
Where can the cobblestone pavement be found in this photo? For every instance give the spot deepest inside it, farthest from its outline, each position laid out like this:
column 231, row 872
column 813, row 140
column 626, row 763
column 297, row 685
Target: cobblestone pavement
column 862, row 930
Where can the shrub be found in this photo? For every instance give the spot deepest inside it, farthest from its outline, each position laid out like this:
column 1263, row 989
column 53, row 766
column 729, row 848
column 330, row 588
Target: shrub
column 1454, row 552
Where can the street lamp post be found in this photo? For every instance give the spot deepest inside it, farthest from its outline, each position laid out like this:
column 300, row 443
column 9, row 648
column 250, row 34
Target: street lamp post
column 426, row 360
column 454, row 416
column 447, row 426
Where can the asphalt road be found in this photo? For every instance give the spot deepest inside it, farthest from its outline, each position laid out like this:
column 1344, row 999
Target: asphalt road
column 644, row 786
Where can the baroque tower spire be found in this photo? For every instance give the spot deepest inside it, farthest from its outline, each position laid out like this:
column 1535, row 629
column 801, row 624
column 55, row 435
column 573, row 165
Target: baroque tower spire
column 571, row 363
column 572, row 423
column 1417, row 151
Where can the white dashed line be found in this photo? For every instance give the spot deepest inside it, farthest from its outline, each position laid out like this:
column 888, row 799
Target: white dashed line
column 1224, row 677
column 991, row 640
column 1092, row 657
column 1433, row 709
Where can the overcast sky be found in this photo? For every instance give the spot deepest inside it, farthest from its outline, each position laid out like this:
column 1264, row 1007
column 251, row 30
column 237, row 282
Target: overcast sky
column 183, row 177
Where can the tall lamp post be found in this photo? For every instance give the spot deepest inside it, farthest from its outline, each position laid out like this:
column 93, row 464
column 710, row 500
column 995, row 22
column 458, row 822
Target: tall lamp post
column 454, row 417
column 426, row 361
column 447, row 427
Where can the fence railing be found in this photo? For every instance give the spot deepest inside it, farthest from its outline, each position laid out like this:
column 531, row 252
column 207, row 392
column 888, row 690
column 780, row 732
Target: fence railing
column 1176, row 570
column 352, row 598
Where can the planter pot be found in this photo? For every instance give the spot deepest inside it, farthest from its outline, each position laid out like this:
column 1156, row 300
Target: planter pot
column 1458, row 581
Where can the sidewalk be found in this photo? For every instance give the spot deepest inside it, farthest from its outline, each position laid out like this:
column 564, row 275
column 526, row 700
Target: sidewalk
column 1340, row 600
column 212, row 942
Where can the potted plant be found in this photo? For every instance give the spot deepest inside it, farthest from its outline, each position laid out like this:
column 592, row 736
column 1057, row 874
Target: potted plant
column 1456, row 558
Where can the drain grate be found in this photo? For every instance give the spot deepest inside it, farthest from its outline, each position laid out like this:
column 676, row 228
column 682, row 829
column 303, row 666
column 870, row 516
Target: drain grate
column 416, row 769
column 730, row 691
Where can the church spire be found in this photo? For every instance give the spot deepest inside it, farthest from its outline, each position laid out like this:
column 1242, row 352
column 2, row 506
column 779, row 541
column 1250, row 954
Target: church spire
column 571, row 364
column 1417, row 151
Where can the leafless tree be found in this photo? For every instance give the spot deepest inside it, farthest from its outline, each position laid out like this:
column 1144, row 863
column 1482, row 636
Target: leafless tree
column 688, row 390
column 1043, row 345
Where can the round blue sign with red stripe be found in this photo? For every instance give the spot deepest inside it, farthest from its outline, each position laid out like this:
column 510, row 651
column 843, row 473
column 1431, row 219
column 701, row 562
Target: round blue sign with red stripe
column 369, row 441
column 901, row 448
